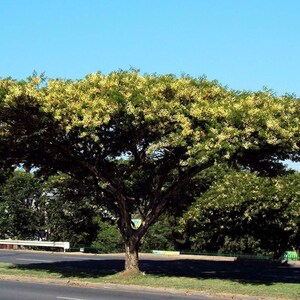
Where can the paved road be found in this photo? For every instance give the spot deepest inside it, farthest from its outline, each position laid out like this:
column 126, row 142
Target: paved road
column 90, row 266
column 10, row 290
column 27, row 257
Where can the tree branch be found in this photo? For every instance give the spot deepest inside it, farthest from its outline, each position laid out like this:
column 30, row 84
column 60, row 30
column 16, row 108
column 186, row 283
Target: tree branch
column 159, row 206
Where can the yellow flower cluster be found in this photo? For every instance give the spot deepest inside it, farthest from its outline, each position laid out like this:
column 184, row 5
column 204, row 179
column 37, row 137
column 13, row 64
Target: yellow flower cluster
column 201, row 115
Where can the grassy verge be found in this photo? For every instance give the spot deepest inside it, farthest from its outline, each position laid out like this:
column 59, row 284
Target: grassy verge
column 213, row 286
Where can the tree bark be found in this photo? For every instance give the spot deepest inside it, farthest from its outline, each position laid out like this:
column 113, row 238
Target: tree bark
column 132, row 254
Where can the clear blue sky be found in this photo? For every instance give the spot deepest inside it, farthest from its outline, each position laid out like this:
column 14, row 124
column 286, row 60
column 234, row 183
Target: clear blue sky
column 243, row 44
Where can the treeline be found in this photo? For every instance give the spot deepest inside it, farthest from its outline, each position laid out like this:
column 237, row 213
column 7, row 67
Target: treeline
column 240, row 213
column 58, row 208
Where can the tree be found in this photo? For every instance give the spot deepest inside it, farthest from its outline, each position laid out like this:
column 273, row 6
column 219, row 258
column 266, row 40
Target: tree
column 243, row 212
column 142, row 138
column 70, row 210
column 108, row 238
column 59, row 208
column 4, row 175
column 21, row 207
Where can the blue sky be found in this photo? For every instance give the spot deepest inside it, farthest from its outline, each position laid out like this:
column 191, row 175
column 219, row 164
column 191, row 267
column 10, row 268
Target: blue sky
column 243, row 44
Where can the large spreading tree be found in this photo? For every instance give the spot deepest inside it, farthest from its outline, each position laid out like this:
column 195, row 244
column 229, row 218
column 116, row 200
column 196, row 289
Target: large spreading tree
column 142, row 138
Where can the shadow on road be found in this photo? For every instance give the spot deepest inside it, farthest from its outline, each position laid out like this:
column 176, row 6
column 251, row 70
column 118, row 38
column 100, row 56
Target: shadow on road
column 253, row 272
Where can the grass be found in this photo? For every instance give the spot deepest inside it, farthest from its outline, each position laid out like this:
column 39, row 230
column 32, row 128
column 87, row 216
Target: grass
column 274, row 290
column 215, row 286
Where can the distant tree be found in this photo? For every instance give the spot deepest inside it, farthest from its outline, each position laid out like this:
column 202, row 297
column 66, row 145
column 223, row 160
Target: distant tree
column 161, row 235
column 4, row 174
column 246, row 213
column 142, row 138
column 70, row 210
column 109, row 238
column 59, row 208
column 21, row 207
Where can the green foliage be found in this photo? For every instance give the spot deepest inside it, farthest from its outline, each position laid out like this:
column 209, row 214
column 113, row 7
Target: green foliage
column 59, row 208
column 109, row 239
column 4, row 175
column 160, row 236
column 141, row 139
column 246, row 213
column 70, row 210
column 161, row 124
column 21, row 207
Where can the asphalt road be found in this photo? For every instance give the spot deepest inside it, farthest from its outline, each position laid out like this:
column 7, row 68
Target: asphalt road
column 89, row 266
column 10, row 290
column 240, row 270
column 28, row 257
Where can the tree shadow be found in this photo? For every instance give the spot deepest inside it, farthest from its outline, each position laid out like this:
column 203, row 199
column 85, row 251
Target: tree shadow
column 243, row 271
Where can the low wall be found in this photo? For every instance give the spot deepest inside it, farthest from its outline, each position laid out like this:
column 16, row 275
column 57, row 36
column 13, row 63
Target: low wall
column 12, row 243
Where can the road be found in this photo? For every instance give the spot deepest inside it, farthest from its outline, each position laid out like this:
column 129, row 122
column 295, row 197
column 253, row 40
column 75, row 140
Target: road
column 89, row 266
column 28, row 257
column 197, row 267
column 10, row 290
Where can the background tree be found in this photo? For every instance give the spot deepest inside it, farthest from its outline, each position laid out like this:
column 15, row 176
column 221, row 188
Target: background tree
column 21, row 207
column 59, row 208
column 142, row 138
column 246, row 213
column 109, row 239
column 70, row 210
column 163, row 235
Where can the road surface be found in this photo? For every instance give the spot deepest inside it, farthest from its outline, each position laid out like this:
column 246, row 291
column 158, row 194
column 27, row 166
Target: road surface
column 10, row 290
column 28, row 257
column 239, row 270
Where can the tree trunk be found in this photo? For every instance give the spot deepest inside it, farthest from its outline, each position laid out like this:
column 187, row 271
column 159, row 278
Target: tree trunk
column 132, row 254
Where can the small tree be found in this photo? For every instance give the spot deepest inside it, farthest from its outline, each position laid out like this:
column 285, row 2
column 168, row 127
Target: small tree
column 141, row 138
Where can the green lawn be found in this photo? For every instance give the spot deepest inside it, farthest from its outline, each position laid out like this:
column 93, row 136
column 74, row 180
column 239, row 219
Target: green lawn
column 214, row 286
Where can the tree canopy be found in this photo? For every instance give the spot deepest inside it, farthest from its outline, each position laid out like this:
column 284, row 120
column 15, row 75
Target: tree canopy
column 57, row 209
column 70, row 210
column 245, row 213
column 141, row 138
column 21, row 207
